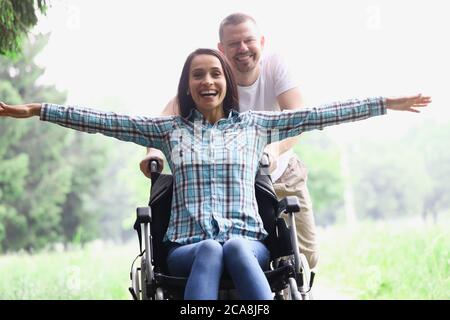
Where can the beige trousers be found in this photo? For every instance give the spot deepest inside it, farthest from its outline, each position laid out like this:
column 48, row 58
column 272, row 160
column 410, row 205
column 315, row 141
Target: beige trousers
column 293, row 183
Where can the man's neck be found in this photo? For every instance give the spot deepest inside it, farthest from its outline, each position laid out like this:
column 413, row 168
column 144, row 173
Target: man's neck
column 248, row 78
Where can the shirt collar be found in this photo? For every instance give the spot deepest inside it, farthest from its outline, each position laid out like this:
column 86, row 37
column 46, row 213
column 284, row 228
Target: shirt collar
column 233, row 113
column 197, row 115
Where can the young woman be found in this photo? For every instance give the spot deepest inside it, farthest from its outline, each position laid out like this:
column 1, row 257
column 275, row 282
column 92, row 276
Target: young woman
column 213, row 152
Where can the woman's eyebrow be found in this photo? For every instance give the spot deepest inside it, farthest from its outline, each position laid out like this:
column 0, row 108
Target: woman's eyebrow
column 203, row 69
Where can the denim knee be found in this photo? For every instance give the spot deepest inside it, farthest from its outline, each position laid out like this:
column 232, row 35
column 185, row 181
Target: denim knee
column 239, row 251
column 210, row 249
column 234, row 247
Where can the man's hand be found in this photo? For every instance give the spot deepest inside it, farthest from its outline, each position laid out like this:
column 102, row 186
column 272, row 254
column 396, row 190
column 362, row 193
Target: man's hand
column 153, row 154
column 408, row 103
column 272, row 159
column 171, row 109
column 20, row 110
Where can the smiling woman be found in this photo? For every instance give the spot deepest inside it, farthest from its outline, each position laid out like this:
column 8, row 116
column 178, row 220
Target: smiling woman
column 208, row 87
column 205, row 71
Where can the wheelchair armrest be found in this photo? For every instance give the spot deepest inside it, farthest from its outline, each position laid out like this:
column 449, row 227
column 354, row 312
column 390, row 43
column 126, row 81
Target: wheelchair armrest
column 143, row 215
column 290, row 204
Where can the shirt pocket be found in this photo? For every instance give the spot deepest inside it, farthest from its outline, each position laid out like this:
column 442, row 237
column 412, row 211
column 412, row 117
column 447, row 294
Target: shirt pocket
column 184, row 152
column 235, row 140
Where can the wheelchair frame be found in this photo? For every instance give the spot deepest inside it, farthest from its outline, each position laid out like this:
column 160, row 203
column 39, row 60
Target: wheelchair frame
column 146, row 286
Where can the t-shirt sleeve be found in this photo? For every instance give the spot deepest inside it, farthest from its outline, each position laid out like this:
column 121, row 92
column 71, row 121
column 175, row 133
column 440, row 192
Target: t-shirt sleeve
column 283, row 79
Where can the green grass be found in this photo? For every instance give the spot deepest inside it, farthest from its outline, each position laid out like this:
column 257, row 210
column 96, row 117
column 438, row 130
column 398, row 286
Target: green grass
column 374, row 261
column 388, row 261
column 95, row 272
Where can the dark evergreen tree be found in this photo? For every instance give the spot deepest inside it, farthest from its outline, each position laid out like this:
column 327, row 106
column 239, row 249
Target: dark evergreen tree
column 47, row 173
column 17, row 17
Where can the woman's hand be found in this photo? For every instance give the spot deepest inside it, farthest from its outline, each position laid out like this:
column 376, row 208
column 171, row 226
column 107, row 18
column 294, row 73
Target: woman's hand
column 408, row 103
column 20, row 110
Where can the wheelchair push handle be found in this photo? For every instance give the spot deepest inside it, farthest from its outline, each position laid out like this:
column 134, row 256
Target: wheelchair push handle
column 153, row 166
column 264, row 162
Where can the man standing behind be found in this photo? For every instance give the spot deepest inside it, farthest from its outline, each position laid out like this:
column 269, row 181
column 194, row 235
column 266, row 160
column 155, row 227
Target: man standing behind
column 264, row 83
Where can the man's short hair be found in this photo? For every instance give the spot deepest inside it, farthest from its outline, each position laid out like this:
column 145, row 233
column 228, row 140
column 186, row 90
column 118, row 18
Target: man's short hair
column 234, row 19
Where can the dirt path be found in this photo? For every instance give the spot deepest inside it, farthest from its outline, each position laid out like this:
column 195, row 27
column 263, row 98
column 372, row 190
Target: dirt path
column 322, row 291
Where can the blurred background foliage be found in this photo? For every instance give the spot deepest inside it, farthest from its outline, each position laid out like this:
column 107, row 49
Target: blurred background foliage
column 406, row 176
column 56, row 185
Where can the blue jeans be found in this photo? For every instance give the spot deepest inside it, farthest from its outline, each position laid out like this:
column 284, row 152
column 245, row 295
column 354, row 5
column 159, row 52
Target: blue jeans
column 204, row 262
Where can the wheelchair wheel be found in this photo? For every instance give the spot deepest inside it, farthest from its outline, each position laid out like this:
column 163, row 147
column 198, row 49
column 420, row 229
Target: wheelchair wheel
column 143, row 280
column 292, row 291
column 159, row 295
column 306, row 278
column 135, row 283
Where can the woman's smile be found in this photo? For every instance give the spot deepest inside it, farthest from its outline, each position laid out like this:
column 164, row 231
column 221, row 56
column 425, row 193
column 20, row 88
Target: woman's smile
column 207, row 85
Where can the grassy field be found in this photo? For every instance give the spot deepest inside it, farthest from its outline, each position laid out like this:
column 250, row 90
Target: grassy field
column 375, row 261
column 98, row 271
column 388, row 261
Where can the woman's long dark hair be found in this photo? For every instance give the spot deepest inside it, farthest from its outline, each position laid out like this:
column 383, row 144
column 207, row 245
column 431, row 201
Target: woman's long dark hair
column 185, row 101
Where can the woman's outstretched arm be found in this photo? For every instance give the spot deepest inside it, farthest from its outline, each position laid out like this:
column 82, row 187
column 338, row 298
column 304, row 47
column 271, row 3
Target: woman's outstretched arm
column 281, row 125
column 141, row 130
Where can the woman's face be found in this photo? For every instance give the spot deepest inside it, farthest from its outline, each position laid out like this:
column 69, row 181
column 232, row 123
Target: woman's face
column 207, row 83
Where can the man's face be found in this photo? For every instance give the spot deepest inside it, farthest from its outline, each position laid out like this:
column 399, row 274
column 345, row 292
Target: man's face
column 242, row 45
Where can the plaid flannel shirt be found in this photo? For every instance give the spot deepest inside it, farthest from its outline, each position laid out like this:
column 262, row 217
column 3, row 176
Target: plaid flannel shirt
column 214, row 165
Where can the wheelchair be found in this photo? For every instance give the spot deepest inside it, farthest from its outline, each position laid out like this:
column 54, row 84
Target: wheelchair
column 289, row 276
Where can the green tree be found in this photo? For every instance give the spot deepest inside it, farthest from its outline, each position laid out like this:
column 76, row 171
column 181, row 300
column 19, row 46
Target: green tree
column 17, row 17
column 32, row 223
column 325, row 183
column 13, row 171
column 51, row 170
column 431, row 142
column 388, row 178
